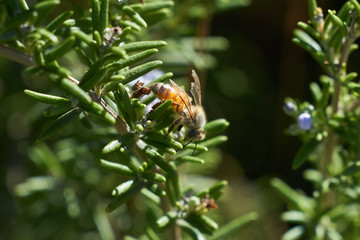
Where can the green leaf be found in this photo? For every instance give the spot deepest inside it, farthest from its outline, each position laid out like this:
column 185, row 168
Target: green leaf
column 59, row 123
column 295, row 217
column 156, row 189
column 312, row 5
column 127, row 109
column 92, row 81
column 215, row 127
column 154, row 177
column 310, row 30
column 91, row 72
column 158, row 137
column 130, row 161
column 155, row 17
column 198, row 147
column 189, row 159
column 116, row 168
column 316, row 92
column 130, row 25
column 160, row 110
column 224, row 5
column 59, row 20
column 95, row 16
column 57, row 70
column 203, row 223
column 294, row 233
column 48, row 35
column 97, row 37
column 193, row 231
column 312, row 175
column 104, row 16
column 320, row 57
column 23, row 5
column 212, row 142
column 349, row 77
column 352, row 169
column 163, row 78
column 159, row 146
column 134, row 16
column 85, row 59
column 304, row 37
column 133, row 74
column 231, row 227
column 299, row 200
column 45, row 98
column 44, row 8
column 156, row 158
column 124, row 197
column 303, row 154
column 150, row 233
column 86, row 39
column 42, row 154
column 143, row 45
column 60, row 50
column 337, row 22
column 74, row 90
column 135, row 58
column 38, row 56
column 151, row 6
column 116, row 144
column 99, row 111
column 58, row 109
column 214, row 191
column 167, row 219
column 173, row 188
column 151, row 196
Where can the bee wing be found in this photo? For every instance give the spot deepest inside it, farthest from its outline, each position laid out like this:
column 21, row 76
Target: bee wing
column 196, row 89
column 183, row 96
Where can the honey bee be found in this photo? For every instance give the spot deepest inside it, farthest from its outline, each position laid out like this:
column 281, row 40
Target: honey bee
column 192, row 116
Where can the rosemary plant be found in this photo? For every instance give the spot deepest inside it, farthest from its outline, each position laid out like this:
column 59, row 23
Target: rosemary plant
column 329, row 128
column 99, row 124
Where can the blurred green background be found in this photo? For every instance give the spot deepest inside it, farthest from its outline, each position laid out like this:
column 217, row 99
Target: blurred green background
column 246, row 86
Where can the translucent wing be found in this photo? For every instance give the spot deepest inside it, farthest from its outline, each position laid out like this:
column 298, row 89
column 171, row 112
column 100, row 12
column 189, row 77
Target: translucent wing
column 196, row 89
column 183, row 96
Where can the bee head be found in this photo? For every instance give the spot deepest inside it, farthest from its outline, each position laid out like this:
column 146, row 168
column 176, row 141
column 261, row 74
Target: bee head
column 195, row 135
column 155, row 87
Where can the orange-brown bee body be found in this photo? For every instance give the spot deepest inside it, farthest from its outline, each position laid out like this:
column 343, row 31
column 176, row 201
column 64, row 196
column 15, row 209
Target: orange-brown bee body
column 166, row 92
column 191, row 116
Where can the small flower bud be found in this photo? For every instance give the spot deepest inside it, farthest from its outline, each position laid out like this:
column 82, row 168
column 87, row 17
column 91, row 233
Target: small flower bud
column 289, row 108
column 304, row 121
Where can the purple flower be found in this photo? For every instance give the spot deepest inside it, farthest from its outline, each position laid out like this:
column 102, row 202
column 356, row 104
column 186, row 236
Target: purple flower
column 304, row 121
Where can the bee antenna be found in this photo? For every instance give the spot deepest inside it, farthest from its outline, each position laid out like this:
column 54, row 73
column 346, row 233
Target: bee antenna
column 187, row 144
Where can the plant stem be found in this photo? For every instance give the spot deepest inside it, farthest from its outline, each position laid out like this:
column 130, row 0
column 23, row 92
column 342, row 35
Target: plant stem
column 332, row 139
column 16, row 56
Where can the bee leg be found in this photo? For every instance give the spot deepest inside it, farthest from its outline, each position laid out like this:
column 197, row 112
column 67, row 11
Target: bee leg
column 176, row 122
column 179, row 127
column 155, row 106
column 194, row 149
column 176, row 106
